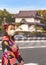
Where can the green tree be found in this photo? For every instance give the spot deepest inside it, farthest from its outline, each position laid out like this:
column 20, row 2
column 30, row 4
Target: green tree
column 5, row 16
column 43, row 14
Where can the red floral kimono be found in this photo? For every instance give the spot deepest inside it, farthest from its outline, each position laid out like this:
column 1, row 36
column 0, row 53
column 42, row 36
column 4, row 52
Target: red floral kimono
column 11, row 55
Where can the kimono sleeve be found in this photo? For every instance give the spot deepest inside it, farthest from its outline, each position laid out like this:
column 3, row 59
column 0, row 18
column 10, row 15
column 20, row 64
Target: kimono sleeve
column 5, row 46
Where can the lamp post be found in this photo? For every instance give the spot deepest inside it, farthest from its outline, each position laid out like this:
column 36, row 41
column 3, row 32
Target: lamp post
column 13, row 19
column 4, row 19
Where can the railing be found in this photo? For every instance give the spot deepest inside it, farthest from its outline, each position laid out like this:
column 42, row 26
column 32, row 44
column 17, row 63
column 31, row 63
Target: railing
column 29, row 38
column 32, row 38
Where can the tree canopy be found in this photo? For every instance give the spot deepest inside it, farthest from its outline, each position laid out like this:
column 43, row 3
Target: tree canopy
column 43, row 14
column 5, row 16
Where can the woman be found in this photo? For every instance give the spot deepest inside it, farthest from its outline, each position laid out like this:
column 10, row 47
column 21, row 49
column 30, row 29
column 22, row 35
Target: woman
column 11, row 55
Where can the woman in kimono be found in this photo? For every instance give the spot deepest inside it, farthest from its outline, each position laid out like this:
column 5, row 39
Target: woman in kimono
column 11, row 55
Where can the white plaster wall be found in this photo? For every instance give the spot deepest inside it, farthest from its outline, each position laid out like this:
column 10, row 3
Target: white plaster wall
column 32, row 28
column 29, row 19
column 17, row 20
column 37, row 20
column 24, row 27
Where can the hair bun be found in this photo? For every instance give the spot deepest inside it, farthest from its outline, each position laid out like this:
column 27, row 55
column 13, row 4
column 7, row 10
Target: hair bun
column 5, row 25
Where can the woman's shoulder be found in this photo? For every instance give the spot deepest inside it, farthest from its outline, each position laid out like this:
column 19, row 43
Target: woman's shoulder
column 5, row 38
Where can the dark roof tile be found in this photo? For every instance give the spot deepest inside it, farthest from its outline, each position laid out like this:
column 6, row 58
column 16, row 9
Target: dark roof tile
column 26, row 14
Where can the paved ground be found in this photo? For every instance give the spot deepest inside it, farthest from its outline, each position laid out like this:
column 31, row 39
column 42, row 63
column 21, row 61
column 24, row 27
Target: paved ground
column 31, row 43
column 36, row 55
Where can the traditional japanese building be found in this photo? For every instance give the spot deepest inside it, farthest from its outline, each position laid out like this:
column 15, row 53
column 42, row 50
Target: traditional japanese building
column 29, row 20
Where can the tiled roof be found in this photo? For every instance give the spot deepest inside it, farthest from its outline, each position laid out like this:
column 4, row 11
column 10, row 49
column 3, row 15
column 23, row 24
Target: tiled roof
column 23, row 14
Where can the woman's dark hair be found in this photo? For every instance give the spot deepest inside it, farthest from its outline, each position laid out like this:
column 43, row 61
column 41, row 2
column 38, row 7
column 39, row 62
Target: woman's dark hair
column 5, row 25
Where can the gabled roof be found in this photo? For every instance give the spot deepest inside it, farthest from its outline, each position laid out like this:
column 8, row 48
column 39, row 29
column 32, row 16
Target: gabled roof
column 26, row 14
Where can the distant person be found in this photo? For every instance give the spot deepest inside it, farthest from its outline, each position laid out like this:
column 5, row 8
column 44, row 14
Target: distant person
column 11, row 55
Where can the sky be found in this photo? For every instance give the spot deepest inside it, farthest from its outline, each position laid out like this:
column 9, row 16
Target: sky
column 14, row 6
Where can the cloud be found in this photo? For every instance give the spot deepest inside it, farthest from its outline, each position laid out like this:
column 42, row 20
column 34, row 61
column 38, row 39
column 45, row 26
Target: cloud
column 17, row 9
